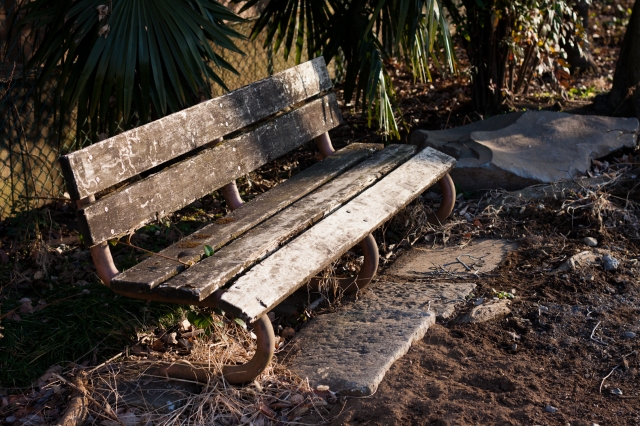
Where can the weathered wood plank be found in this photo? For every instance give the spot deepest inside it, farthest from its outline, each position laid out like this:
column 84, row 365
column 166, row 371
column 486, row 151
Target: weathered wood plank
column 155, row 270
column 276, row 277
column 211, row 273
column 109, row 162
column 182, row 183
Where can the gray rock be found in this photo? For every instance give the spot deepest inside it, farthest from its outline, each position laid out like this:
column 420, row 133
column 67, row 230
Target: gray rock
column 629, row 335
column 610, row 263
column 582, row 260
column 590, row 241
column 482, row 255
column 352, row 349
column 550, row 409
column 488, row 311
column 514, row 151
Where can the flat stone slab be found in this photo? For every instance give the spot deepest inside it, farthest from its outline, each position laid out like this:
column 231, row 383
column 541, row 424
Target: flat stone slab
column 351, row 350
column 479, row 256
column 514, row 151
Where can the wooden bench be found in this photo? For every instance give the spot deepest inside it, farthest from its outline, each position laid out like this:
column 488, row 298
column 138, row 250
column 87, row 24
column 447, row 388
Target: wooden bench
column 269, row 247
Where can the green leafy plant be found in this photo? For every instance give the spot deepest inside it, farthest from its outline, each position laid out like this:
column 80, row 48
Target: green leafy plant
column 124, row 63
column 364, row 33
column 208, row 251
column 503, row 294
column 511, row 42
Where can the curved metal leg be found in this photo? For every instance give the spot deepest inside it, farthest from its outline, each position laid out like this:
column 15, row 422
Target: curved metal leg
column 101, row 254
column 367, row 270
column 324, row 145
column 448, row 201
column 231, row 195
column 234, row 374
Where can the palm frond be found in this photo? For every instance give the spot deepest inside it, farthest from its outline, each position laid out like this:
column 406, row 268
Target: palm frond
column 367, row 32
column 143, row 58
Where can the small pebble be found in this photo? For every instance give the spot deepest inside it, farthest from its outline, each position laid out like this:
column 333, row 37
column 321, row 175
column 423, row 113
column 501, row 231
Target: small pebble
column 628, row 334
column 10, row 419
column 590, row 241
column 550, row 409
column 610, row 263
column 616, row 391
column 479, row 301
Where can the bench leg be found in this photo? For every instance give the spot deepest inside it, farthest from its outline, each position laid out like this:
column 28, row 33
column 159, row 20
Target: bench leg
column 324, row 145
column 231, row 195
column 448, row 201
column 234, row 374
column 367, row 270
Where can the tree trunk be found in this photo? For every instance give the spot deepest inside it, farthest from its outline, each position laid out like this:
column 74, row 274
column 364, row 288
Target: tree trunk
column 624, row 98
column 488, row 55
column 580, row 58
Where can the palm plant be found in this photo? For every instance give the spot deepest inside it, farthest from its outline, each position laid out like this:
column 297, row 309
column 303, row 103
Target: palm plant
column 366, row 32
column 127, row 62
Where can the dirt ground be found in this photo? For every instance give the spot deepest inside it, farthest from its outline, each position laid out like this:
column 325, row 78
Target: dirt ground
column 544, row 363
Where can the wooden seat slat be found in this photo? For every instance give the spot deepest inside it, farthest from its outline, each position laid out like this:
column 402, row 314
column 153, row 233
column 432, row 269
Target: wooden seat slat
column 128, row 154
column 293, row 265
column 202, row 279
column 182, row 183
column 155, row 270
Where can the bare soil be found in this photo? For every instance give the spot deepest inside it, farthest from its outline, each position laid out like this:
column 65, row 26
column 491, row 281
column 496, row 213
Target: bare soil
column 547, row 353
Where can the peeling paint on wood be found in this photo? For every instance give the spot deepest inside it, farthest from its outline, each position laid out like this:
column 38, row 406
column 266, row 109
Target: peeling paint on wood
column 116, row 159
column 199, row 281
column 276, row 277
column 155, row 270
column 181, row 184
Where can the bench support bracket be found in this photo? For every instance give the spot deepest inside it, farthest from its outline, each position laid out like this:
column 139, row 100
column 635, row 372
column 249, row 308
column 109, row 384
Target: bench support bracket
column 448, row 201
column 234, row 374
column 231, row 195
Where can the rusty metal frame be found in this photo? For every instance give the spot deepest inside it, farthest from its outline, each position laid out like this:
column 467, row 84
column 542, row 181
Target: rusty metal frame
column 448, row 201
column 232, row 195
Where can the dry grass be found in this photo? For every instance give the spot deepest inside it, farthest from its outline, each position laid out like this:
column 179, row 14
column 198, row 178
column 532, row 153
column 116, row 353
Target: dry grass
column 276, row 396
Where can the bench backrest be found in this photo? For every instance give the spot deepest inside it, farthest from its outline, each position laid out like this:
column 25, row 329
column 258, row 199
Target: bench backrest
column 120, row 158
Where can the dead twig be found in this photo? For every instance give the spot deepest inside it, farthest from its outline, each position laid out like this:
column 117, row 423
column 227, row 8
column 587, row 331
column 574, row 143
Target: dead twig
column 154, row 253
column 607, row 376
column 78, row 410
column 110, row 414
column 596, row 340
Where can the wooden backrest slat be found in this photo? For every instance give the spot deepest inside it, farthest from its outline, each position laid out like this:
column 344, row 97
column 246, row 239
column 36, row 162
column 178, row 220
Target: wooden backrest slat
column 182, row 183
column 121, row 157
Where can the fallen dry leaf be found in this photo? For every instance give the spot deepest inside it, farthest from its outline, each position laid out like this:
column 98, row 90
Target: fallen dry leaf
column 158, row 346
column 296, row 399
column 288, row 333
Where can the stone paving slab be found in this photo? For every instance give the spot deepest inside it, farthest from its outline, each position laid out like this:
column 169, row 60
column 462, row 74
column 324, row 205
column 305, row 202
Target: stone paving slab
column 351, row 350
column 481, row 255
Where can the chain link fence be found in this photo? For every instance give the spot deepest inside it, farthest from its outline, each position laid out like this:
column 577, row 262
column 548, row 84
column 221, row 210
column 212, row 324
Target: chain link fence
column 30, row 145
